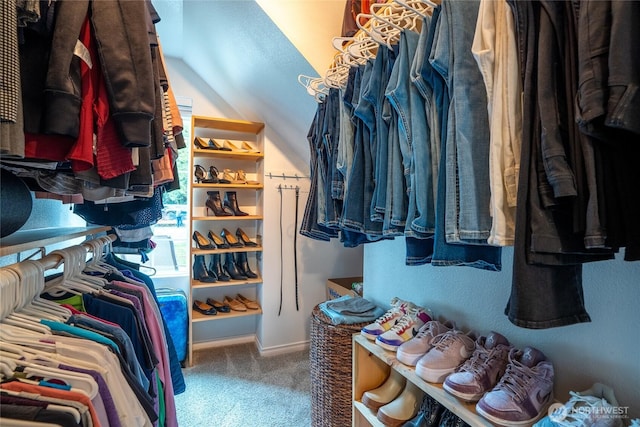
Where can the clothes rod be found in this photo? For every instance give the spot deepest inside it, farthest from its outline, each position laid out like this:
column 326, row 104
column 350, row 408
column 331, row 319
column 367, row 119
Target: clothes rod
column 53, row 260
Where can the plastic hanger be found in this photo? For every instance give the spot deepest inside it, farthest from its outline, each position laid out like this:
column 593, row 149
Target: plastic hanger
column 421, row 7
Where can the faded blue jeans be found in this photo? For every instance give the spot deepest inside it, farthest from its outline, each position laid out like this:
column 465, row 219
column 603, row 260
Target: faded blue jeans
column 467, row 218
column 444, row 253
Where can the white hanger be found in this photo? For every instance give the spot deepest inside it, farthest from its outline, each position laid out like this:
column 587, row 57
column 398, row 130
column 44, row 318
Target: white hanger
column 421, row 7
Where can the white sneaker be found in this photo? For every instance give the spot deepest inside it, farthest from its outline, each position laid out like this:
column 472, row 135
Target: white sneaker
column 449, row 351
column 411, row 351
column 388, row 320
column 593, row 407
column 406, row 328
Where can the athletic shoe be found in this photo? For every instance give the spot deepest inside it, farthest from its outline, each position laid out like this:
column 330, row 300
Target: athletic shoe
column 524, row 391
column 411, row 351
column 406, row 328
column 448, row 352
column 593, row 407
column 481, row 372
column 387, row 320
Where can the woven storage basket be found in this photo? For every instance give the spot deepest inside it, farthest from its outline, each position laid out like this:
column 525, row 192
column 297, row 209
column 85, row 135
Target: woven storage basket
column 330, row 360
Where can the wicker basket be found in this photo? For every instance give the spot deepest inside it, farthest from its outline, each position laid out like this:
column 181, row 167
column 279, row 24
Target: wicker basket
column 330, row 360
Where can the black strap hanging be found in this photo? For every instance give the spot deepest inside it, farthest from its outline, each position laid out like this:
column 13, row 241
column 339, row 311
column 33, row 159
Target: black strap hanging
column 281, row 255
column 295, row 248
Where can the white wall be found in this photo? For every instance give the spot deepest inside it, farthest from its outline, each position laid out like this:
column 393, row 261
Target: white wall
column 606, row 350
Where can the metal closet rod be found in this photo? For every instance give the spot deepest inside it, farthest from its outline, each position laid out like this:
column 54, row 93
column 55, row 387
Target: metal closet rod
column 53, row 260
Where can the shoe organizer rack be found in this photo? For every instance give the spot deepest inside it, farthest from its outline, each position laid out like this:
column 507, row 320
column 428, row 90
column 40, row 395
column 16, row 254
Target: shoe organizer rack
column 372, row 365
column 231, row 154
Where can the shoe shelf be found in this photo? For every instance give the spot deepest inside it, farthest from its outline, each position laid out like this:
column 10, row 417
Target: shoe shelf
column 228, row 218
column 229, row 186
column 233, row 147
column 223, row 251
column 372, row 365
column 219, row 154
column 199, row 317
column 201, row 285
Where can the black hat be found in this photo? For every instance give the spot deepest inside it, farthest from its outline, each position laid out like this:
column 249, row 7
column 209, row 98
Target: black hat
column 15, row 203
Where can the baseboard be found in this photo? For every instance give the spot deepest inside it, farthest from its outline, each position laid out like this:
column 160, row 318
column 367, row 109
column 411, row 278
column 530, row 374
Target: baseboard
column 281, row 349
column 224, row 342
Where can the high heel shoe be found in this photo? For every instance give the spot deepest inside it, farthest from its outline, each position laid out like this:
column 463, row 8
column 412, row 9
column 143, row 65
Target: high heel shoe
column 201, row 176
column 242, row 236
column 245, row 145
column 214, row 202
column 243, row 265
column 231, row 201
column 231, row 268
column 230, row 239
column 241, row 178
column 213, row 173
column 229, row 176
column 219, row 145
column 217, row 240
column 200, row 271
column 201, row 241
column 202, row 143
column 215, row 265
column 233, row 146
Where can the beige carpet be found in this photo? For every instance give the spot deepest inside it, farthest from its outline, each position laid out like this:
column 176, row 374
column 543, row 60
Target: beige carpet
column 236, row 387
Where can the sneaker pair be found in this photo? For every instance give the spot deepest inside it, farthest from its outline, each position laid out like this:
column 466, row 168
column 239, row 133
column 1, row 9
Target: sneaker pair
column 592, row 407
column 387, row 320
column 411, row 351
column 523, row 393
column 448, row 351
column 398, row 325
column 480, row 373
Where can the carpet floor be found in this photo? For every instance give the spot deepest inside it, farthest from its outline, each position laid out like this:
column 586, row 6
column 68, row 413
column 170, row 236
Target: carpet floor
column 235, row 386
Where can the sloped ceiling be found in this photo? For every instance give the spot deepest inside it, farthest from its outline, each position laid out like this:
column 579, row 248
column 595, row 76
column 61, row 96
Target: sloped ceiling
column 240, row 52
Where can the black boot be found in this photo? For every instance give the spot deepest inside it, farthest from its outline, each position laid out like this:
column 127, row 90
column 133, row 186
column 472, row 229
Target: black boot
column 215, row 266
column 243, row 265
column 231, row 202
column 231, row 269
column 214, row 202
column 200, row 271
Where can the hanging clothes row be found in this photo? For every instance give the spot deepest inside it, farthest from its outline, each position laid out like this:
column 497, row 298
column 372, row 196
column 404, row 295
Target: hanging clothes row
column 85, row 347
column 446, row 124
column 90, row 114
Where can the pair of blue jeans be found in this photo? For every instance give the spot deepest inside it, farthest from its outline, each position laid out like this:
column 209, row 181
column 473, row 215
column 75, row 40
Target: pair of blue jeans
column 445, row 253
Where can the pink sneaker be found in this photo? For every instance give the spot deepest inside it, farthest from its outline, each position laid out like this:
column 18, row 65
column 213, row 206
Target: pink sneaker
column 406, row 328
column 388, row 320
column 449, row 351
column 481, row 372
column 411, row 351
column 524, row 391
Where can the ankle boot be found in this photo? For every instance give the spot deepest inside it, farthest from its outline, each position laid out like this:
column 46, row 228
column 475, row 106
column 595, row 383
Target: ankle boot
column 231, row 201
column 243, row 265
column 231, row 269
column 214, row 202
column 200, row 271
column 215, row 266
column 389, row 390
column 403, row 408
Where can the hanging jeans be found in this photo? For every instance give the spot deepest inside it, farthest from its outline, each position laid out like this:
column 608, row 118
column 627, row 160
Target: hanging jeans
column 447, row 254
column 309, row 226
column 543, row 295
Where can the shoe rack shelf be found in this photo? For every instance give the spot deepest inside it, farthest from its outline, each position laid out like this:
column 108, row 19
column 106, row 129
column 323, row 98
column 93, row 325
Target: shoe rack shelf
column 229, row 186
column 372, row 365
column 228, row 155
column 247, row 198
column 203, row 285
column 199, row 317
column 227, row 218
